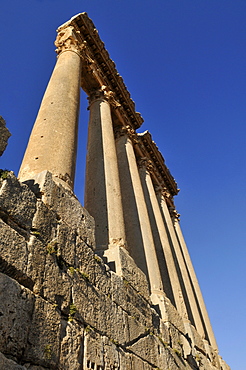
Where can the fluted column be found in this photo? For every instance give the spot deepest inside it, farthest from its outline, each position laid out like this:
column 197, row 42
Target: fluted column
column 162, row 243
column 204, row 313
column 102, row 189
column 138, row 229
column 188, row 292
column 53, row 142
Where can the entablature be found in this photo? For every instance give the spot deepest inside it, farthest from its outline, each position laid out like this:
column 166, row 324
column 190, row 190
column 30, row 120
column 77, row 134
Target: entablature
column 99, row 70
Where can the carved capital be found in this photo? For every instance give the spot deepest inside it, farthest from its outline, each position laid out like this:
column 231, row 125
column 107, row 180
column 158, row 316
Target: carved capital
column 126, row 130
column 103, row 94
column 67, row 40
column 146, row 163
column 174, row 214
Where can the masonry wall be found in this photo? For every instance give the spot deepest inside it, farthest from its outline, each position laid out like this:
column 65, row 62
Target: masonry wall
column 63, row 307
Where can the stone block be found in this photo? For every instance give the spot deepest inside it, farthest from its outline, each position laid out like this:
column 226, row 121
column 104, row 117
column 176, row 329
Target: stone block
column 72, row 346
column 14, row 255
column 43, row 342
column 133, row 303
column 146, row 348
column 134, row 329
column 197, row 339
column 63, row 201
column 110, row 354
column 92, row 265
column 127, row 268
column 57, row 284
column 7, row 364
column 93, row 350
column 44, row 222
column 173, row 316
column 66, row 244
column 4, row 135
column 17, row 201
column 16, row 306
column 35, row 268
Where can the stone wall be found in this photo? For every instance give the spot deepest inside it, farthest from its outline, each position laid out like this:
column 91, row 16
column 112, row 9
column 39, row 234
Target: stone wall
column 63, row 307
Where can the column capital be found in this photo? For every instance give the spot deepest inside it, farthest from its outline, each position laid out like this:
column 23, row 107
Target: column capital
column 174, row 214
column 128, row 131
column 146, row 163
column 103, row 93
column 67, row 40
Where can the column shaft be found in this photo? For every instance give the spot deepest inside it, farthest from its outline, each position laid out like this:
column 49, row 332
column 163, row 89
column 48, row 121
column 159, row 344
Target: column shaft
column 162, row 244
column 53, row 141
column 188, row 293
column 138, row 229
column 196, row 286
column 102, row 190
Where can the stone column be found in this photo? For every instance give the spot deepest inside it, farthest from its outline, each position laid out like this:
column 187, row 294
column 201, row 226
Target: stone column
column 204, row 313
column 102, row 187
column 138, row 230
column 188, row 292
column 162, row 243
column 53, row 142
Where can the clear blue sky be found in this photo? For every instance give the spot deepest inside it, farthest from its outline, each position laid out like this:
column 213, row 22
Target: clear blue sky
column 184, row 63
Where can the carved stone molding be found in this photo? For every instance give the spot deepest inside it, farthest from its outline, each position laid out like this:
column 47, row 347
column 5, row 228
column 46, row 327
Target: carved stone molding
column 67, row 40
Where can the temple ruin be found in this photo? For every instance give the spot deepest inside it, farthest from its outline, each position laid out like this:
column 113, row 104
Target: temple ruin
column 109, row 285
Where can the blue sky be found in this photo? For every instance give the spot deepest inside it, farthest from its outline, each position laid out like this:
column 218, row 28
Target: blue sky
column 184, row 65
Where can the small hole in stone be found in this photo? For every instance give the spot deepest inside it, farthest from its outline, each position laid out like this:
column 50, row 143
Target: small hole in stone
column 41, row 136
column 36, row 158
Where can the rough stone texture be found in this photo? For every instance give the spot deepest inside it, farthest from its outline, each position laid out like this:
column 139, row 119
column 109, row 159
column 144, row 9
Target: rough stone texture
column 17, row 201
column 4, row 135
column 7, row 364
column 61, row 307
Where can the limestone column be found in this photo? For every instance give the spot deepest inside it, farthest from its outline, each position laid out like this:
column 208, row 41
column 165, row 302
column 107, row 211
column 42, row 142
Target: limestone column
column 53, row 142
column 204, row 313
column 102, row 188
column 162, row 244
column 138, row 230
column 188, row 292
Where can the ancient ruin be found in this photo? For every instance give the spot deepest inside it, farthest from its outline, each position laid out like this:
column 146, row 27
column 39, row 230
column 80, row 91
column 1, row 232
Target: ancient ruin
column 109, row 285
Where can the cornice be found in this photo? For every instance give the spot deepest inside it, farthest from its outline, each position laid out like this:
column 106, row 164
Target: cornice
column 102, row 69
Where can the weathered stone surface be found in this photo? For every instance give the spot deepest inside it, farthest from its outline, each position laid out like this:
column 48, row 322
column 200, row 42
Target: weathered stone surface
column 4, row 135
column 93, row 350
column 65, row 204
column 132, row 302
column 7, row 364
column 43, row 342
column 127, row 268
column 16, row 306
column 92, row 265
column 146, row 348
column 13, row 254
column 72, row 346
column 44, row 222
column 57, row 284
column 66, row 244
column 36, row 263
column 17, row 200
column 173, row 316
